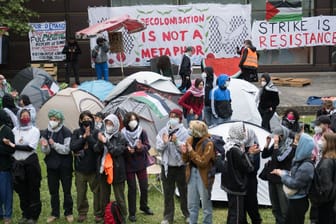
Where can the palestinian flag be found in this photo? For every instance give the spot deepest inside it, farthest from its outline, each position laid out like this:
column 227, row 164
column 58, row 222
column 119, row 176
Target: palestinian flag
column 277, row 11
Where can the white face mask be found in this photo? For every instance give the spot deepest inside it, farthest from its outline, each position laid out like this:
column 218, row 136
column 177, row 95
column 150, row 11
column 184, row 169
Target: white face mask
column 173, row 122
column 204, row 75
column 227, row 83
column 53, row 124
column 320, row 144
column 318, row 130
column 263, row 83
column 98, row 125
column 132, row 124
column 109, row 129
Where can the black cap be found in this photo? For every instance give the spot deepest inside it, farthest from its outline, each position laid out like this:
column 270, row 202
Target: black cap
column 188, row 49
column 99, row 114
column 323, row 119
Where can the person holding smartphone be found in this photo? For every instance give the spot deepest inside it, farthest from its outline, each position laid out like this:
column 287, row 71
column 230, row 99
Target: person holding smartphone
column 168, row 142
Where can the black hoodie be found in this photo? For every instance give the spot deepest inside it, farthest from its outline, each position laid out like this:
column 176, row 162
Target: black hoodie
column 5, row 150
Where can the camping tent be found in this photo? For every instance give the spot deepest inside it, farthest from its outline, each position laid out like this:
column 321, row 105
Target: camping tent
column 152, row 109
column 146, row 81
column 244, row 107
column 99, row 88
column 71, row 102
column 39, row 90
column 25, row 75
column 217, row 193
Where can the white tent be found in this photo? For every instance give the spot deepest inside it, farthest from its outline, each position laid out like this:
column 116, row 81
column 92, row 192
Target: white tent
column 151, row 79
column 244, row 107
column 220, row 195
column 71, row 102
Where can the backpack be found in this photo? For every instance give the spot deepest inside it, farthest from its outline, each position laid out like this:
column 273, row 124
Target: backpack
column 113, row 213
column 218, row 143
column 317, row 194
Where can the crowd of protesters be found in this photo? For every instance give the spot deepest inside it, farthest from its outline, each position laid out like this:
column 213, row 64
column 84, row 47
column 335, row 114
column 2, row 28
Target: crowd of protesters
column 108, row 151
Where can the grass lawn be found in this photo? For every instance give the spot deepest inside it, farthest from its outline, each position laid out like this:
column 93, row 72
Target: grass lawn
column 155, row 203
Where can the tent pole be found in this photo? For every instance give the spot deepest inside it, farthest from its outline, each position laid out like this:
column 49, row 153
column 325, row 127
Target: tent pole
column 121, row 64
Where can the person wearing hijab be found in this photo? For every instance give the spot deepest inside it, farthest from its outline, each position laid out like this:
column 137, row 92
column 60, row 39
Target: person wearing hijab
column 111, row 143
column 6, row 162
column 199, row 154
column 268, row 100
column 209, row 79
column 27, row 170
column 298, row 180
column 55, row 144
column 8, row 104
column 281, row 152
column 24, row 102
column 82, row 142
column 168, row 142
column 192, row 101
column 234, row 182
column 221, row 100
column 136, row 163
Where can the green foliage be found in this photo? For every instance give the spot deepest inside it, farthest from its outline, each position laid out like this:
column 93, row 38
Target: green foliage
column 15, row 16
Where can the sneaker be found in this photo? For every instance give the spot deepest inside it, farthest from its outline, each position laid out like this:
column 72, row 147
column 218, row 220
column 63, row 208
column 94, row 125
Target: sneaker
column 164, row 222
column 31, row 221
column 51, row 219
column 81, row 218
column 23, row 220
column 7, row 221
column 69, row 218
column 132, row 218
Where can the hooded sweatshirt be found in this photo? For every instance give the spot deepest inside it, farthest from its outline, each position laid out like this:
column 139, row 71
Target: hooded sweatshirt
column 5, row 150
column 302, row 171
column 221, row 98
column 268, row 95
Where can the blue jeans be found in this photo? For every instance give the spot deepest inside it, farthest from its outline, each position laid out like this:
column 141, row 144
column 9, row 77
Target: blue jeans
column 6, row 194
column 102, row 69
column 208, row 117
column 191, row 117
column 279, row 202
column 196, row 192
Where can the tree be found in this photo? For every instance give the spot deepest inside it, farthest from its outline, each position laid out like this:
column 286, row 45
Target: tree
column 15, row 16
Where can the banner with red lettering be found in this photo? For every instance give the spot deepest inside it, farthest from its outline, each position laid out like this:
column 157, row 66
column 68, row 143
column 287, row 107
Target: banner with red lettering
column 213, row 30
column 310, row 31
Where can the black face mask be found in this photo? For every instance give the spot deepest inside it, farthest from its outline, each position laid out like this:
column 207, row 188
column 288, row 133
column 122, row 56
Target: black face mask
column 86, row 123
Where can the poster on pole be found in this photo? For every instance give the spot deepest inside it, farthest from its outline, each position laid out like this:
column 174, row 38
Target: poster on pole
column 213, row 30
column 47, row 41
column 309, row 32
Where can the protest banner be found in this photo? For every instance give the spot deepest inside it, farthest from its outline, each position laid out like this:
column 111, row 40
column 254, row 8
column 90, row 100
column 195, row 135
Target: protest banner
column 213, row 30
column 47, row 41
column 309, row 32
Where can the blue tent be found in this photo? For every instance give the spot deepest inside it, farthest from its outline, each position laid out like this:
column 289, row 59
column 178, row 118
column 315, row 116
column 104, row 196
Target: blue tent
column 99, row 88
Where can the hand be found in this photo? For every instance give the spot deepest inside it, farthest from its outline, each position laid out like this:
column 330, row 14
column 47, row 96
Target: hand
column 165, row 138
column 277, row 172
column 173, row 138
column 44, row 142
column 196, row 117
column 191, row 111
column 139, row 144
column 183, row 148
column 130, row 150
column 51, row 141
column 8, row 142
column 101, row 137
column 270, row 109
column 189, row 147
column 254, row 149
column 276, row 139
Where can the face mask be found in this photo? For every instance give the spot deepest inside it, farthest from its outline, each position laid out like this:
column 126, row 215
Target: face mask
column 99, row 125
column 290, row 117
column 25, row 121
column 204, row 75
column 173, row 122
column 4, row 81
column 86, row 123
column 227, row 84
column 318, row 130
column 109, row 129
column 263, row 83
column 133, row 124
column 53, row 124
column 320, row 144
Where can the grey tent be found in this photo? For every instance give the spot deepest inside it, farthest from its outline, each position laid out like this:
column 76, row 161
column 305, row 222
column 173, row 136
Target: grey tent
column 39, row 90
column 25, row 75
column 152, row 109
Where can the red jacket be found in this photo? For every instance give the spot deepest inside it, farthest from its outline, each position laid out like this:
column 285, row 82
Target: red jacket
column 189, row 101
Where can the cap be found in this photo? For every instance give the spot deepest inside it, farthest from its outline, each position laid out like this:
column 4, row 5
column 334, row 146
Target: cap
column 178, row 113
column 323, row 119
column 188, row 49
column 99, row 114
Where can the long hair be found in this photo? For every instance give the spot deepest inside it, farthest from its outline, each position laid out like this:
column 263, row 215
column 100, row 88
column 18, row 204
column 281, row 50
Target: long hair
column 163, row 63
column 330, row 147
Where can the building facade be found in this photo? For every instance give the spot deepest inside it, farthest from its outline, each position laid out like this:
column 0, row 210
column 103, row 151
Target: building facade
column 74, row 12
